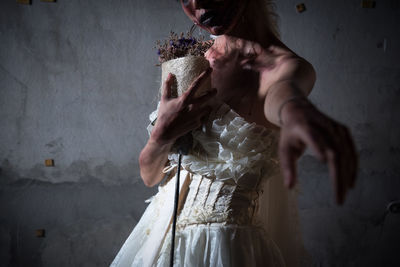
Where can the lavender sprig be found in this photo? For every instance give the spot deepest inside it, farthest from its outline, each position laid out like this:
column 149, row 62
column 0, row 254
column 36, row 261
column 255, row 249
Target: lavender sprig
column 176, row 46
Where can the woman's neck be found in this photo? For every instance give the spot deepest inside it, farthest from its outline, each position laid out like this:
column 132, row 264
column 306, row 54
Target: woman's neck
column 251, row 26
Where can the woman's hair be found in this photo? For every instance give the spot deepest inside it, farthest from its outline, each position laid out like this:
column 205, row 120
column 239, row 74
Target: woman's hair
column 271, row 17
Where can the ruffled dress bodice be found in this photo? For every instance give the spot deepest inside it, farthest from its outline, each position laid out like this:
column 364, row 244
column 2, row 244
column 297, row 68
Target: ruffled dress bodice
column 220, row 186
column 228, row 147
column 229, row 159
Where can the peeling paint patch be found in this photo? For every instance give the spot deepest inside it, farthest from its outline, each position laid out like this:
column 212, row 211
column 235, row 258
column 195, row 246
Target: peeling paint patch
column 56, row 146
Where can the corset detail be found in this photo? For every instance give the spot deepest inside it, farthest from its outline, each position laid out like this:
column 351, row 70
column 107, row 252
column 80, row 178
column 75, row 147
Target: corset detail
column 229, row 159
column 211, row 201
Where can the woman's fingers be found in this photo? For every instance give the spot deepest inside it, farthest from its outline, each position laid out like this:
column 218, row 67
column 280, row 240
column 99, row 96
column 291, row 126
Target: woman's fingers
column 334, row 170
column 167, row 87
column 194, row 117
column 177, row 116
column 328, row 146
column 288, row 166
column 340, row 153
column 346, row 158
column 204, row 98
column 343, row 163
column 334, row 142
column 288, row 155
column 189, row 94
column 327, row 151
column 352, row 158
column 330, row 142
column 198, row 112
column 315, row 142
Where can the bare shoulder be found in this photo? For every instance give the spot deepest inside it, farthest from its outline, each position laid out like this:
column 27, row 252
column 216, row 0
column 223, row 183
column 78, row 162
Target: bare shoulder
column 282, row 64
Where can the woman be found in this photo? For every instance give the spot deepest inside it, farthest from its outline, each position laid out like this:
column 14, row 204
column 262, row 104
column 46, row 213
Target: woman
column 261, row 86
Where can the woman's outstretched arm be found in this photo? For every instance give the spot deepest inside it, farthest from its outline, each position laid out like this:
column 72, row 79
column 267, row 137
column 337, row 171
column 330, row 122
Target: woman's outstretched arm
column 303, row 125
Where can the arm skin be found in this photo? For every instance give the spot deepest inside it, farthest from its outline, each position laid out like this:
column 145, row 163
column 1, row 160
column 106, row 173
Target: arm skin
column 152, row 160
column 305, row 126
column 297, row 78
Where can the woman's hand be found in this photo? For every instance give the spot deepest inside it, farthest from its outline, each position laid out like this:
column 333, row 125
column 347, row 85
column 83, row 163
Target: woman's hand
column 305, row 126
column 178, row 116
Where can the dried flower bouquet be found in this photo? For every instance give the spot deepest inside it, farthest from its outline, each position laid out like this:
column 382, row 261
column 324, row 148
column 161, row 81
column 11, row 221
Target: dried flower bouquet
column 183, row 56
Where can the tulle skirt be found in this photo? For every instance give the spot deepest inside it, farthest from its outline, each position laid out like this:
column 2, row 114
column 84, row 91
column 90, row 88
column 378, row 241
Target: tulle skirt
column 208, row 246
column 221, row 245
column 197, row 245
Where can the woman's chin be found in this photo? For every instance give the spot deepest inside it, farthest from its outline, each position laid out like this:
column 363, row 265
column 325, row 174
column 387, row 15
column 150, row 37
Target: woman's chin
column 217, row 30
column 225, row 28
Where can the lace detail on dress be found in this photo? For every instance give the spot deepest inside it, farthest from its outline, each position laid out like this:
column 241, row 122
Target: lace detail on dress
column 203, row 203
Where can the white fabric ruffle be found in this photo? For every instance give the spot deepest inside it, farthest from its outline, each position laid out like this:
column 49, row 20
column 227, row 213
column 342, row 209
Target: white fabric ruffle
column 228, row 147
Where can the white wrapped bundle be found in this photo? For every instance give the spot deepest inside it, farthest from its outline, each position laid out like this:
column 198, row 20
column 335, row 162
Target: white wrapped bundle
column 186, row 70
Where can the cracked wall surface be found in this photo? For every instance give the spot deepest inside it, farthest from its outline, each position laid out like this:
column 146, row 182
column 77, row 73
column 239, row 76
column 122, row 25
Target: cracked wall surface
column 78, row 80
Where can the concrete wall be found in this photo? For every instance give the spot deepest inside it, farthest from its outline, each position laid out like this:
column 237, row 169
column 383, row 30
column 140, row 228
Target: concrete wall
column 77, row 82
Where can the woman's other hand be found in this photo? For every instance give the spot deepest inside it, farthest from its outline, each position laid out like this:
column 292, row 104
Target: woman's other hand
column 305, row 126
column 178, row 116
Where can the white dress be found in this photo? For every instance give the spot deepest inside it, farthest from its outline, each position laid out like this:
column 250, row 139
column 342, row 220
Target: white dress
column 221, row 183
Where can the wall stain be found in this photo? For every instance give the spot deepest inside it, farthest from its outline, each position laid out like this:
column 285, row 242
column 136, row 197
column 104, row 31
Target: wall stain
column 22, row 110
column 7, row 173
column 78, row 172
column 56, row 146
column 337, row 31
